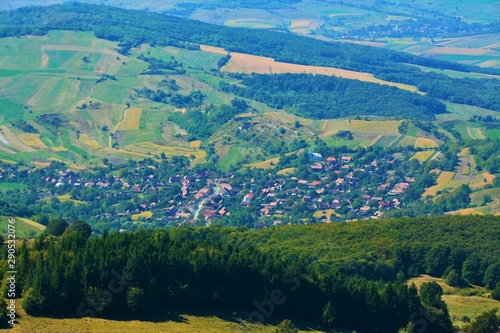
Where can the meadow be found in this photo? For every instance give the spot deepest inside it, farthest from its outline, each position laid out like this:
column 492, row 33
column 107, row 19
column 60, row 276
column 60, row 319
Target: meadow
column 24, row 228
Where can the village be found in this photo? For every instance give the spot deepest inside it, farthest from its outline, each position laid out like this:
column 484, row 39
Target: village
column 322, row 190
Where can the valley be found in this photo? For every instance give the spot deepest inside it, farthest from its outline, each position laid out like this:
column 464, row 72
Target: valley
column 361, row 137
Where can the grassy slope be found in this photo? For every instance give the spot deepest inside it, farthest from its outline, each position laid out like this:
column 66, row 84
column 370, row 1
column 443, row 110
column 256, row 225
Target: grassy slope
column 459, row 304
column 23, row 227
column 159, row 320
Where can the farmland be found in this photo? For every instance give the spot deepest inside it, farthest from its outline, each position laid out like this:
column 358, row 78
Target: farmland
column 246, row 63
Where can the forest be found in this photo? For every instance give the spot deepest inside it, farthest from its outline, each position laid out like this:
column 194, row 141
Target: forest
column 65, row 271
column 133, row 28
column 322, row 97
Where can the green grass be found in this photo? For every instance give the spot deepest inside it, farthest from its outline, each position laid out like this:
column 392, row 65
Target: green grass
column 162, row 319
column 23, row 227
column 4, row 187
column 10, row 110
column 465, row 112
column 233, row 156
column 59, row 57
column 113, row 91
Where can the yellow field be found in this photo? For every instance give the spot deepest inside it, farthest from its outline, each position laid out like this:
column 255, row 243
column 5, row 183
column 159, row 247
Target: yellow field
column 14, row 140
column 84, row 138
column 267, row 164
column 423, row 156
column 443, row 180
column 333, row 126
column 147, row 214
column 287, row 171
column 145, row 147
column 300, row 24
column 466, row 211
column 32, row 140
column 425, row 143
column 482, row 180
column 329, row 212
column 195, row 144
column 464, row 152
column 131, row 120
column 67, row 197
column 375, row 126
column 246, row 63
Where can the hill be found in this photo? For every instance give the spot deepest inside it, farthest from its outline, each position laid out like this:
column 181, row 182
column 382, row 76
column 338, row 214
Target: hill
column 365, row 263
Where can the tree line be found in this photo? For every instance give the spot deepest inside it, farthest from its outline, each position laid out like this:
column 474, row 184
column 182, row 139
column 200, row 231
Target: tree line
column 321, row 96
column 74, row 273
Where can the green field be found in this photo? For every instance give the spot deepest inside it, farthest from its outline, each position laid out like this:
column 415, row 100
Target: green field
column 4, row 187
column 24, row 228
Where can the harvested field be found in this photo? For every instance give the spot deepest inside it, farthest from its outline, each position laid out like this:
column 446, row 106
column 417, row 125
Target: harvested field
column 130, row 121
column 287, row 171
column 268, row 164
column 14, row 142
column 246, row 63
column 425, row 143
column 333, row 126
column 443, row 180
column 32, row 140
column 195, row 144
column 423, row 156
column 149, row 147
column 374, row 126
column 84, row 138
column 146, row 214
column 482, row 180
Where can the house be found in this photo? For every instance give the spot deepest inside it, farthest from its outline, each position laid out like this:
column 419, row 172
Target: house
column 314, row 157
column 331, row 160
column 316, row 167
column 249, row 197
column 346, row 159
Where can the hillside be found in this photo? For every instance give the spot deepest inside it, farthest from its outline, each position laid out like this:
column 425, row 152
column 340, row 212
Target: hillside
column 340, row 270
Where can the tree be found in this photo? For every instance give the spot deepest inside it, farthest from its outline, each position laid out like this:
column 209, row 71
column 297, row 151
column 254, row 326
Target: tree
column 135, row 299
column 56, row 227
column 488, row 322
column 80, row 226
column 328, row 316
column 495, row 294
column 492, row 276
column 430, row 294
column 3, row 313
column 286, row 326
column 453, row 279
column 408, row 329
column 35, row 303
